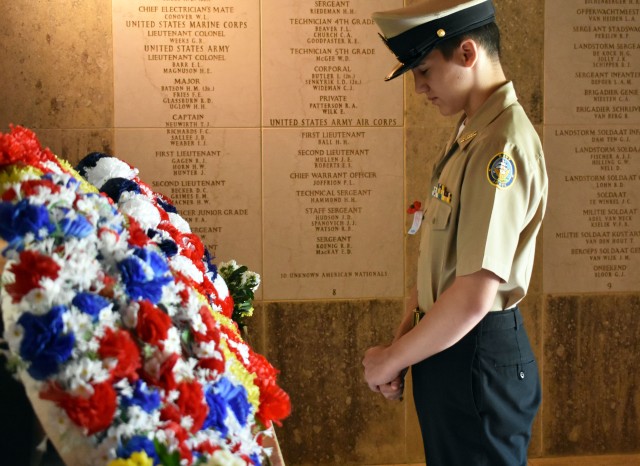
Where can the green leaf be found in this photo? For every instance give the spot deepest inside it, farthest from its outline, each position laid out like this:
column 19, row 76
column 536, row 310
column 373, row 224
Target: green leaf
column 166, row 458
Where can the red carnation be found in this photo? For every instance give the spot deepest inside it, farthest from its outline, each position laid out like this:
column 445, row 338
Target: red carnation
column 184, row 292
column 215, row 365
column 167, row 226
column 120, row 345
column 95, row 413
column 181, row 435
column 153, row 324
column 9, row 195
column 208, row 448
column 192, row 247
column 213, row 331
column 190, row 402
column 28, row 272
column 32, row 187
column 275, row 404
column 137, row 236
column 21, row 146
column 164, row 378
column 225, row 304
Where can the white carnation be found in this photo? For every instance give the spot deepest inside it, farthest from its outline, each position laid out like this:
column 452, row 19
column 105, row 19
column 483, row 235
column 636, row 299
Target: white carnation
column 180, row 223
column 107, row 168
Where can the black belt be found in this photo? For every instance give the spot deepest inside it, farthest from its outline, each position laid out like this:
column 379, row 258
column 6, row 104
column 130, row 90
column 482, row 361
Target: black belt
column 494, row 320
column 501, row 320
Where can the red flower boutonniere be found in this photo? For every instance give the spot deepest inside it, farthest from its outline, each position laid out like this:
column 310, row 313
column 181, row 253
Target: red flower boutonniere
column 415, row 207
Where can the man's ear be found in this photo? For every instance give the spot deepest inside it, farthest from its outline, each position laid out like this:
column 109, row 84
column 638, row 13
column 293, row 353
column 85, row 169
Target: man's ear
column 468, row 52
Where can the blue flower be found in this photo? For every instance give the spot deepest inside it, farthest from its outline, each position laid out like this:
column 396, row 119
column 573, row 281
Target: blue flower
column 90, row 303
column 71, row 183
column 43, row 344
column 217, row 412
column 168, row 247
column 144, row 274
column 144, row 396
column 16, row 220
column 114, row 187
column 208, row 260
column 89, row 161
column 237, row 399
column 138, row 443
column 221, row 397
column 78, row 226
column 166, row 206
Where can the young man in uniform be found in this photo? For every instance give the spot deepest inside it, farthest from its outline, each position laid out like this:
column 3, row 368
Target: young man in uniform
column 475, row 379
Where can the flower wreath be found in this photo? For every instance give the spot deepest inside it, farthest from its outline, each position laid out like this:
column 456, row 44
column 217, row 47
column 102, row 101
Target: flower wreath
column 118, row 323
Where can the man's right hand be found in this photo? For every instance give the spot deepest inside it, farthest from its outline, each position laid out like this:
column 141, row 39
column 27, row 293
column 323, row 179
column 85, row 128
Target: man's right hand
column 394, row 389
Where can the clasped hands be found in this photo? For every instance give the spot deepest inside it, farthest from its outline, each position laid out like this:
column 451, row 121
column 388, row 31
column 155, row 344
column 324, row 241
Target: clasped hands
column 380, row 373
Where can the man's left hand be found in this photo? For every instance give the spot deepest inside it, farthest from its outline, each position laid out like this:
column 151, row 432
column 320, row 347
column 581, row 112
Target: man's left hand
column 377, row 367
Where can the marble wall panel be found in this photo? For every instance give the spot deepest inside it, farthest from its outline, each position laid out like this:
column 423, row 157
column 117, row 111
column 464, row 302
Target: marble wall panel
column 328, row 208
column 178, row 65
column 327, row 60
column 591, row 375
column 56, row 66
column 73, row 144
column 522, row 41
column 217, row 186
column 336, row 419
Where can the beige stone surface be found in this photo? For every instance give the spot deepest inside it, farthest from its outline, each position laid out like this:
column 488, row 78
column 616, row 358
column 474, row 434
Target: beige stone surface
column 333, row 223
column 336, row 419
column 592, row 374
column 172, row 66
column 602, row 83
column 592, row 113
column 215, row 186
column 329, row 63
column 56, row 66
column 590, row 226
column 73, row 144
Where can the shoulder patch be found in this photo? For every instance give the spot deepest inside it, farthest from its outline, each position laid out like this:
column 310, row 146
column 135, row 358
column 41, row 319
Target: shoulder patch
column 501, row 171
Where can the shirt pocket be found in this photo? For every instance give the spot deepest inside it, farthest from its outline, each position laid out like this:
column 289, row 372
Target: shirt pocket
column 439, row 214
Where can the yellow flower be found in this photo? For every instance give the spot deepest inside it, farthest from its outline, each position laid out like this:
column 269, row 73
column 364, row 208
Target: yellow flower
column 86, row 187
column 138, row 458
column 224, row 458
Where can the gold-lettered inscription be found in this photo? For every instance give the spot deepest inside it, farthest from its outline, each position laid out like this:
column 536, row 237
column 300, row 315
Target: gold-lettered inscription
column 592, row 142
column 329, row 62
column 178, row 117
column 176, row 65
column 334, row 226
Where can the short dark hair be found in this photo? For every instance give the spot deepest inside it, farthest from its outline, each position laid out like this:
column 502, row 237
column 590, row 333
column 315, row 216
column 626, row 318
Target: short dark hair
column 487, row 36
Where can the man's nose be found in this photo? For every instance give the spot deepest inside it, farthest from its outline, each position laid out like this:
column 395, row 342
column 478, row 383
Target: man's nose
column 419, row 82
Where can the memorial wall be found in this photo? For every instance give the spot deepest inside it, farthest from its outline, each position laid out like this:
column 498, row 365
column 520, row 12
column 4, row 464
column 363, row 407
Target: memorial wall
column 273, row 132
column 592, row 141
column 269, row 124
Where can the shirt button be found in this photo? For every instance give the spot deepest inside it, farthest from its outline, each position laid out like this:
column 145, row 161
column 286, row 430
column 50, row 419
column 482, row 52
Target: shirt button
column 521, row 374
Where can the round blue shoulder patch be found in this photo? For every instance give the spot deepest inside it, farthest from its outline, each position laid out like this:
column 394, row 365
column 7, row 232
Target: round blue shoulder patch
column 501, row 171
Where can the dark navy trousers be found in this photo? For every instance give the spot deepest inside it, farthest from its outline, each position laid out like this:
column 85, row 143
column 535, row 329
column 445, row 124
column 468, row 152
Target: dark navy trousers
column 476, row 401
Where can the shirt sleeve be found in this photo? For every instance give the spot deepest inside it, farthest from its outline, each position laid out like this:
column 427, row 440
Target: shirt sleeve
column 493, row 207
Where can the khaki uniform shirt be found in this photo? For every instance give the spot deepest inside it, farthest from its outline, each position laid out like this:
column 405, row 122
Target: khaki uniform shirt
column 489, row 192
